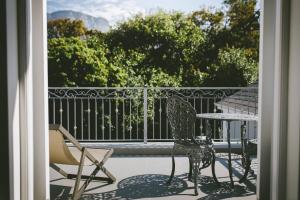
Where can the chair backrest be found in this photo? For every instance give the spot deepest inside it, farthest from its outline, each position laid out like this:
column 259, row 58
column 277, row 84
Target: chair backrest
column 181, row 116
column 59, row 151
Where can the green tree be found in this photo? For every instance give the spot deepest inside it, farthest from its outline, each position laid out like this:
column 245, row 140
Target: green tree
column 234, row 68
column 244, row 25
column 166, row 40
column 206, row 47
column 66, row 28
column 72, row 63
column 237, row 29
column 212, row 24
column 208, row 20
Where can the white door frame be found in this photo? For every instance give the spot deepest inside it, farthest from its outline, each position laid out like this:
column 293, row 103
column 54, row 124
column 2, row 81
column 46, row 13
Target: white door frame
column 279, row 97
column 293, row 117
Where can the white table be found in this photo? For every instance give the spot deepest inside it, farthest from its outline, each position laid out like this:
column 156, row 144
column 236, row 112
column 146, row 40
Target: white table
column 230, row 117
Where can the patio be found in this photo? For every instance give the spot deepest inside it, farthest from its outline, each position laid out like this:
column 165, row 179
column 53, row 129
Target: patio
column 144, row 177
column 133, row 122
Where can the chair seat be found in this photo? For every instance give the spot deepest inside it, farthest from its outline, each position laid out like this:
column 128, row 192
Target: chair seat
column 191, row 143
column 99, row 154
column 201, row 138
column 190, row 146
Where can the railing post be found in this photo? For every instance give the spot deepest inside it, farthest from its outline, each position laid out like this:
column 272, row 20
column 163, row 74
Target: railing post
column 145, row 113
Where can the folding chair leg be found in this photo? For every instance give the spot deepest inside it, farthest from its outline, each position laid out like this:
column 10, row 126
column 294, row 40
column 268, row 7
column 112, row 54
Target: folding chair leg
column 76, row 193
column 87, row 182
column 108, row 174
column 59, row 170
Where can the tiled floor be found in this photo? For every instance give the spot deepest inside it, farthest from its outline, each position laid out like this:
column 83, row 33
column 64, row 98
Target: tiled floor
column 145, row 178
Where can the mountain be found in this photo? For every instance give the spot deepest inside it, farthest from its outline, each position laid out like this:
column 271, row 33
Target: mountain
column 98, row 23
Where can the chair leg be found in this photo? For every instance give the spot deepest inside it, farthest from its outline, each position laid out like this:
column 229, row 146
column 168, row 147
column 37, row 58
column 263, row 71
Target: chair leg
column 59, row 170
column 191, row 168
column 173, row 166
column 196, row 173
column 213, row 167
column 86, row 183
column 108, row 174
column 76, row 194
column 247, row 169
column 110, row 179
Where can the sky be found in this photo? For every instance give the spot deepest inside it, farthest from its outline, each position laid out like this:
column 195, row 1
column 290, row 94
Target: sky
column 116, row 10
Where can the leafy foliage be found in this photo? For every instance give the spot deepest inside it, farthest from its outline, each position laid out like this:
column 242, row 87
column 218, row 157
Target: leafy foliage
column 234, row 68
column 166, row 40
column 203, row 48
column 66, row 28
column 72, row 63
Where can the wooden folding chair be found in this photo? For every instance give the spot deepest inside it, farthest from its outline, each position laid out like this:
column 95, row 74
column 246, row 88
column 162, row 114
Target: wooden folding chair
column 60, row 153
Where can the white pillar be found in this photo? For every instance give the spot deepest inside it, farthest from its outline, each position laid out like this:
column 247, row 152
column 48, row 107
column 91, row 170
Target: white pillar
column 13, row 98
column 27, row 87
column 40, row 100
column 279, row 97
column 293, row 131
column 266, row 96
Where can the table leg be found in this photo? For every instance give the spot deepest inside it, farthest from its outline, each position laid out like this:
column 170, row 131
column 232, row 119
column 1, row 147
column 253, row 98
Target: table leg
column 243, row 133
column 246, row 162
column 229, row 154
column 247, row 169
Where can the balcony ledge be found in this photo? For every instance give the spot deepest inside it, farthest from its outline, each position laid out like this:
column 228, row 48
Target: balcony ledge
column 153, row 148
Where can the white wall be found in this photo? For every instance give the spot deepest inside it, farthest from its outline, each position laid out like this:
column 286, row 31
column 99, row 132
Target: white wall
column 235, row 130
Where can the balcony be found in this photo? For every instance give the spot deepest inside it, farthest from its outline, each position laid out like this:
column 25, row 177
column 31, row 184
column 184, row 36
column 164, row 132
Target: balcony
column 133, row 121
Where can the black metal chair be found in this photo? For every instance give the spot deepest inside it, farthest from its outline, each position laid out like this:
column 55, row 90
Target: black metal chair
column 182, row 116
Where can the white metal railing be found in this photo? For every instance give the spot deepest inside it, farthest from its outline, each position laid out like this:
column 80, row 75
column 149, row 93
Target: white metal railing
column 139, row 113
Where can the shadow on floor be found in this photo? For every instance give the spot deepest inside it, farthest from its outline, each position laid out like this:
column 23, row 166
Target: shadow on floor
column 223, row 191
column 142, row 186
column 154, row 185
column 58, row 192
column 135, row 187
